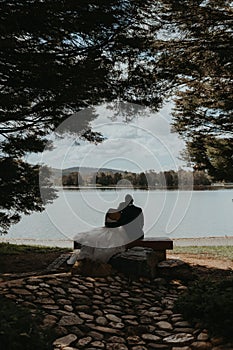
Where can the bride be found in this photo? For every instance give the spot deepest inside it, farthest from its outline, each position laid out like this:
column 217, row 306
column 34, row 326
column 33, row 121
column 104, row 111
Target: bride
column 100, row 244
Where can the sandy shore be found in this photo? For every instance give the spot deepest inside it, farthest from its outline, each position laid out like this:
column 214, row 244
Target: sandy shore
column 184, row 242
column 204, row 241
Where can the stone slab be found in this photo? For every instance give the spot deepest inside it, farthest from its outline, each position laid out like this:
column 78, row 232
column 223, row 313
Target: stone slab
column 138, row 262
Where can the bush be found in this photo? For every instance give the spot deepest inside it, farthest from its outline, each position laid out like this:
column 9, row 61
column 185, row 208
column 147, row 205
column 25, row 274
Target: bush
column 19, row 329
column 210, row 304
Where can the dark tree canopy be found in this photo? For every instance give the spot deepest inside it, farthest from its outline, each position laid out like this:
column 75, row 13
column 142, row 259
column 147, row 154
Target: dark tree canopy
column 198, row 63
column 20, row 192
column 204, row 65
column 214, row 154
column 58, row 57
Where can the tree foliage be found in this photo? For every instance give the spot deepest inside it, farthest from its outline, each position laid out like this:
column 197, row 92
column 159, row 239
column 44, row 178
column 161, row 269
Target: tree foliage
column 198, row 59
column 59, row 57
column 214, row 154
column 198, row 62
column 169, row 179
column 72, row 179
column 56, row 58
column 20, row 191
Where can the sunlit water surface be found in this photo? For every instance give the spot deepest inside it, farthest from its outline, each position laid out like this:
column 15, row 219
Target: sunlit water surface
column 173, row 214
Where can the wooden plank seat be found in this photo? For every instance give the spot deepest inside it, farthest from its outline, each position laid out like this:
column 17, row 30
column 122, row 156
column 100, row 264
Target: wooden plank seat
column 156, row 243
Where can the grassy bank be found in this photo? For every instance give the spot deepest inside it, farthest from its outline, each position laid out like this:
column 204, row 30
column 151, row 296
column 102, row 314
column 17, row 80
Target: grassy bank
column 8, row 248
column 222, row 252
column 217, row 252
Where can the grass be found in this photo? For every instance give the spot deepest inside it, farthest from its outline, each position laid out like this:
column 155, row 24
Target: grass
column 225, row 252
column 15, row 249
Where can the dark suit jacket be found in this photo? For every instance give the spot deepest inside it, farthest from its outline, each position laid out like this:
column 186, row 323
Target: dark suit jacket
column 132, row 219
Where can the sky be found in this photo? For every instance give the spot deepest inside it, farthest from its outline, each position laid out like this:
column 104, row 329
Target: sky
column 144, row 143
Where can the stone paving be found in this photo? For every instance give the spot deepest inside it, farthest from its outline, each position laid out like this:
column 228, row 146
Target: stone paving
column 110, row 313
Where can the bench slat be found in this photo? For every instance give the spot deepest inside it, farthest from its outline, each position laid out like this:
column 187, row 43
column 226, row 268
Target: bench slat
column 157, row 243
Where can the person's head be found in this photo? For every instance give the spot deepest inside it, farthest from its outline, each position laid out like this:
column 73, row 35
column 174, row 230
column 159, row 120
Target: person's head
column 128, row 199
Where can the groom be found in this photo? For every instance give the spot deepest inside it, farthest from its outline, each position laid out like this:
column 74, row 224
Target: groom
column 131, row 217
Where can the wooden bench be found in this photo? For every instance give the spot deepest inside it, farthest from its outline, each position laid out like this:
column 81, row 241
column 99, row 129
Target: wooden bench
column 158, row 244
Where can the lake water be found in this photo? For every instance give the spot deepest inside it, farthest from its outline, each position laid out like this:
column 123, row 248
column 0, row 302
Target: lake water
column 173, row 214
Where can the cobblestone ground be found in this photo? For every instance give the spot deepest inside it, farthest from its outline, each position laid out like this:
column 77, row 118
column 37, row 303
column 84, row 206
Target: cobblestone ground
column 110, row 313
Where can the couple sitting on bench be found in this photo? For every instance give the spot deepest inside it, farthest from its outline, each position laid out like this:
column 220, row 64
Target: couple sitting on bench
column 127, row 215
column 122, row 226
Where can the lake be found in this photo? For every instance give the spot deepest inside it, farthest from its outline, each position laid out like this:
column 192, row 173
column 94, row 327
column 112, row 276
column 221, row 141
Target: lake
column 173, row 214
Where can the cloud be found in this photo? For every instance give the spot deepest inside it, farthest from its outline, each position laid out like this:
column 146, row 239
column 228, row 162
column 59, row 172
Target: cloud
column 143, row 144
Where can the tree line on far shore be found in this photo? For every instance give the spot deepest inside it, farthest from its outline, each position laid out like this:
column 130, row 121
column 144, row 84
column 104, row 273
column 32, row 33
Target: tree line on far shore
column 166, row 179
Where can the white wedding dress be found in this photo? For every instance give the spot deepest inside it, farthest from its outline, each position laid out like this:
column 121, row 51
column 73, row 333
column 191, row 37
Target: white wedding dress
column 100, row 244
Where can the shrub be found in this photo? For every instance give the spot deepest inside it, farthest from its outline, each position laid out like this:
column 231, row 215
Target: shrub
column 20, row 330
column 211, row 304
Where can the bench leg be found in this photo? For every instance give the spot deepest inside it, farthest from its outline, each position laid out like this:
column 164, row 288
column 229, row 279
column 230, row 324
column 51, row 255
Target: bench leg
column 77, row 245
column 161, row 255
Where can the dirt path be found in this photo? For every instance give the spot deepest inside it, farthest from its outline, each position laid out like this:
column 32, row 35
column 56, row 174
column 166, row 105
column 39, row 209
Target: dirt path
column 200, row 259
column 12, row 265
